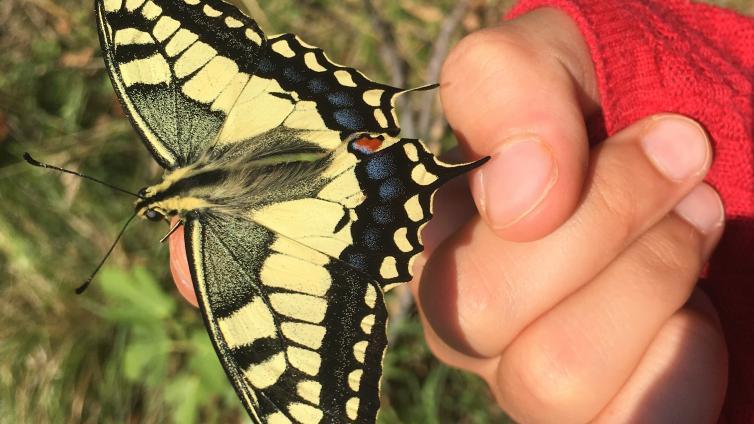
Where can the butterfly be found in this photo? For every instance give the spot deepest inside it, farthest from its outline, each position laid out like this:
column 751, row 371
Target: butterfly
column 301, row 206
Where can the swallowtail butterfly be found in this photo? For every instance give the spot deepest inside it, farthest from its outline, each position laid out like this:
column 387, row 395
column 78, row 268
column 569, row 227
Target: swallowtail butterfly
column 300, row 204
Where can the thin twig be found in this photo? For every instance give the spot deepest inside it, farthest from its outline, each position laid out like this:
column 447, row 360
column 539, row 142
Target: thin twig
column 258, row 13
column 439, row 52
column 395, row 63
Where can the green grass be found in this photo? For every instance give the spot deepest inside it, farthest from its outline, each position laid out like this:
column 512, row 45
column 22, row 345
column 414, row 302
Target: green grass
column 129, row 350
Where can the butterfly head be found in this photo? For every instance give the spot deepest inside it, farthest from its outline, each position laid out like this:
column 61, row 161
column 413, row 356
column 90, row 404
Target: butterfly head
column 175, row 195
column 149, row 207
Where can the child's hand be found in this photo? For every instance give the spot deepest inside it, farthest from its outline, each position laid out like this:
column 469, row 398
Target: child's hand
column 573, row 294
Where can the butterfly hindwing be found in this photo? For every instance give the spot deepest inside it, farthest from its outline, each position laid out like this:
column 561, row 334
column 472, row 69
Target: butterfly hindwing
column 370, row 206
column 301, row 335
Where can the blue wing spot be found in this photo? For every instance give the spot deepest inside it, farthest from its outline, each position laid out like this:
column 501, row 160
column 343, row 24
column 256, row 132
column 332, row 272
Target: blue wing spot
column 380, row 167
column 391, row 189
column 340, row 99
column 357, row 260
column 318, row 86
column 293, row 75
column 371, row 238
column 382, row 215
column 349, row 118
column 265, row 65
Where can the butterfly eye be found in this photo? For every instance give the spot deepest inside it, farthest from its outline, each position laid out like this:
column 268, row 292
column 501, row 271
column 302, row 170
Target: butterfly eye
column 143, row 192
column 153, row 215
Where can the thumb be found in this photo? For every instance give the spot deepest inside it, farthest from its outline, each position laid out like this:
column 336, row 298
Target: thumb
column 520, row 95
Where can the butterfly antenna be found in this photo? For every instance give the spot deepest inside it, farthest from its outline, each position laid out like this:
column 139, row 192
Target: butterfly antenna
column 34, row 162
column 88, row 281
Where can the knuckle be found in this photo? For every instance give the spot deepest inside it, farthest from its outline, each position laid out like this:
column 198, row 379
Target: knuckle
column 670, row 255
column 619, row 207
column 544, row 382
column 673, row 249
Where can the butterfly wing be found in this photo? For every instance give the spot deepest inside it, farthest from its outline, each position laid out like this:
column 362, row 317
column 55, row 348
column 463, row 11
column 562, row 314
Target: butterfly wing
column 167, row 60
column 301, row 335
column 374, row 200
column 292, row 293
column 198, row 77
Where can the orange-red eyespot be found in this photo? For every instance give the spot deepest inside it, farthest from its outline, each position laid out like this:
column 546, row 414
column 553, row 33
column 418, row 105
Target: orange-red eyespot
column 367, row 144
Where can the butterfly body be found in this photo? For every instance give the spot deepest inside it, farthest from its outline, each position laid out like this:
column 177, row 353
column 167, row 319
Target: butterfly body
column 301, row 206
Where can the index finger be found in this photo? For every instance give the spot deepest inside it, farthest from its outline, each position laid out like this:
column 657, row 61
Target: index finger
column 520, row 95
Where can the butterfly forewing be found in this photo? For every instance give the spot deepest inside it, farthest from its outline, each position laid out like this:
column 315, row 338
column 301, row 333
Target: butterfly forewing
column 170, row 63
column 197, row 76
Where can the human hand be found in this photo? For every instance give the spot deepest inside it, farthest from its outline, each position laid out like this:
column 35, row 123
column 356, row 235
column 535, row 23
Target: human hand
column 572, row 293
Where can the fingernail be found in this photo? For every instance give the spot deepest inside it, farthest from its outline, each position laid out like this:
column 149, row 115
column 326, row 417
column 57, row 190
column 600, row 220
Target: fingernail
column 702, row 208
column 515, row 181
column 677, row 147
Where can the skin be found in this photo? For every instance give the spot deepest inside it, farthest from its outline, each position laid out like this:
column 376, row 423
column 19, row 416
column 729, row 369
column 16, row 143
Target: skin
column 565, row 276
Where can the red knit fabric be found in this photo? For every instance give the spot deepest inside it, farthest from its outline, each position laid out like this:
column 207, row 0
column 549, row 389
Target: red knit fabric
column 656, row 56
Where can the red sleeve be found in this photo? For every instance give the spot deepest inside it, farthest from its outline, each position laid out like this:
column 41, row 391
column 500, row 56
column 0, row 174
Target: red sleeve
column 656, row 56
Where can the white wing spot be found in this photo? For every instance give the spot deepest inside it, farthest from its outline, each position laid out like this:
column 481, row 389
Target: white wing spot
column 191, row 2
column 389, row 268
column 421, row 176
column 253, row 36
column 360, row 350
column 354, row 380
column 344, row 78
column 305, row 360
column 165, row 27
column 113, row 5
column 248, row 324
column 152, row 70
column 282, row 48
column 211, row 11
column 373, row 97
column 370, row 297
column 278, row 418
column 305, row 414
column 310, row 59
column 132, row 5
column 268, row 372
column 379, row 116
column 180, row 42
column 367, row 323
column 128, row 36
column 309, row 390
column 352, row 408
column 411, row 152
column 308, row 335
column 300, row 306
column 414, row 209
column 232, row 22
column 401, row 240
column 151, row 11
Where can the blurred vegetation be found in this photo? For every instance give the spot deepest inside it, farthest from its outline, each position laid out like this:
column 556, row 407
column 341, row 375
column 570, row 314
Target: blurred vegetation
column 130, row 350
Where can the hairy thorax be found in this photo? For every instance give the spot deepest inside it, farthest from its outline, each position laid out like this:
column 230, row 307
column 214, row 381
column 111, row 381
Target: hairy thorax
column 234, row 186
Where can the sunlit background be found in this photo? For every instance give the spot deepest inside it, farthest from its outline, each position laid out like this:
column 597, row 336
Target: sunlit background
column 130, row 350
